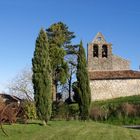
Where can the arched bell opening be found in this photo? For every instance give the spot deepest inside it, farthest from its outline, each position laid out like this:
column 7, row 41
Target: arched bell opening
column 95, row 50
column 104, row 51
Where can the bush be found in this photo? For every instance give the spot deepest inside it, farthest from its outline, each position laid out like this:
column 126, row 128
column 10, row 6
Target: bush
column 73, row 110
column 59, row 111
column 64, row 111
column 99, row 113
column 95, row 113
column 14, row 112
column 124, row 110
column 128, row 109
column 30, row 109
column 9, row 112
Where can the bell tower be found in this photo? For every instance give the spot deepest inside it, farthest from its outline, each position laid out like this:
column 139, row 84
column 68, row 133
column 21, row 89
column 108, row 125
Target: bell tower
column 99, row 54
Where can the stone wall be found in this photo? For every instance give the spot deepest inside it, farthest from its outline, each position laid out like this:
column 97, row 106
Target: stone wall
column 119, row 63
column 108, row 89
column 112, row 62
column 99, row 63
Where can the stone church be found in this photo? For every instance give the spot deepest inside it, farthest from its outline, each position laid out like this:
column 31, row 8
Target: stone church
column 110, row 75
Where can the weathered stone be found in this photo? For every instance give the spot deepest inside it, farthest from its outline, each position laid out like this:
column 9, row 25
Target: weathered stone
column 110, row 75
column 110, row 62
column 108, row 89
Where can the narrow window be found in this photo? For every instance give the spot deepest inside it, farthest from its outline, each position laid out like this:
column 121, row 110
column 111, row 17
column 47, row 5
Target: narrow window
column 95, row 51
column 104, row 51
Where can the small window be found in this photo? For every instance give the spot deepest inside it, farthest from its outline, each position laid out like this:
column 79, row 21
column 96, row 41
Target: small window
column 99, row 38
column 104, row 51
column 95, row 51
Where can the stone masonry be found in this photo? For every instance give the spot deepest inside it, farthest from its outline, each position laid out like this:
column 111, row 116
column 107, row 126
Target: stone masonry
column 108, row 89
column 110, row 75
column 111, row 62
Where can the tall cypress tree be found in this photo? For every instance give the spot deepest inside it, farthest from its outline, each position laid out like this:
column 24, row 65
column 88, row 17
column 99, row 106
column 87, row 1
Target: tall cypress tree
column 41, row 77
column 83, row 84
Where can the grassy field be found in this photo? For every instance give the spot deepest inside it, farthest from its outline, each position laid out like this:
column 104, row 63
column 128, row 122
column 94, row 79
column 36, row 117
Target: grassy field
column 69, row 130
column 117, row 101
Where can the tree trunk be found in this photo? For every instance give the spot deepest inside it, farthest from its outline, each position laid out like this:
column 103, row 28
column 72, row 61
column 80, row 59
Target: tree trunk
column 70, row 87
column 70, row 84
column 44, row 123
column 53, row 92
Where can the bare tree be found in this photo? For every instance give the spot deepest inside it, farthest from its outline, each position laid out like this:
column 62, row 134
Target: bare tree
column 72, row 71
column 67, row 87
column 21, row 85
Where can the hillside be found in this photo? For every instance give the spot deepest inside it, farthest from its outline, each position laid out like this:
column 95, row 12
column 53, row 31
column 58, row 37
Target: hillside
column 116, row 101
column 70, row 130
column 120, row 111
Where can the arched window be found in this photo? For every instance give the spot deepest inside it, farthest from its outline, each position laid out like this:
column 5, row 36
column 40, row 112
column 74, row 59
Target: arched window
column 104, row 51
column 95, row 51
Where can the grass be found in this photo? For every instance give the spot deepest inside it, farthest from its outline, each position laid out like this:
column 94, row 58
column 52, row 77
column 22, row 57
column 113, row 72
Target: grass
column 117, row 101
column 69, row 130
column 113, row 109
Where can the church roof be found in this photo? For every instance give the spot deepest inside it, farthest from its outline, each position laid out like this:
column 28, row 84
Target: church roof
column 120, row 74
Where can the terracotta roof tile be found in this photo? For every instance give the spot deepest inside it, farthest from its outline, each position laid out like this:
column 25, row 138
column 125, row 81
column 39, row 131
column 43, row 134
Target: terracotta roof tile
column 120, row 74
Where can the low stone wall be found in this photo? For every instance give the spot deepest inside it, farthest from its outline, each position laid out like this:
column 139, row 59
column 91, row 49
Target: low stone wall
column 108, row 89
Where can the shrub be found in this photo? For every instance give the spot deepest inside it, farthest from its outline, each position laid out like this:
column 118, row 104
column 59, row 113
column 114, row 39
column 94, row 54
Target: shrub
column 73, row 110
column 64, row 111
column 95, row 113
column 99, row 113
column 59, row 111
column 128, row 109
column 30, row 109
column 137, row 108
column 124, row 110
column 8, row 113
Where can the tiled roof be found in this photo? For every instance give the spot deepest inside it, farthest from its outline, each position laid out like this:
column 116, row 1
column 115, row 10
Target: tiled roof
column 120, row 74
column 9, row 98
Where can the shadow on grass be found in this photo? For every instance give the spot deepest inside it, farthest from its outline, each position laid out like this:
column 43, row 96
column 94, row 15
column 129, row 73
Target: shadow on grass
column 37, row 122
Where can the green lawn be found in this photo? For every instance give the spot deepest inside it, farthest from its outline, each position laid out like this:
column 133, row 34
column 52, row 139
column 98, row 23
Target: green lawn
column 69, row 130
column 117, row 101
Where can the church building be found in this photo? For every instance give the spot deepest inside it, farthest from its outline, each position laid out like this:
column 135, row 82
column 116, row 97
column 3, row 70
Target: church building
column 110, row 75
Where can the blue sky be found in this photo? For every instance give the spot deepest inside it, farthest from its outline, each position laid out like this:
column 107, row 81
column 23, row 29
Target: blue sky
column 21, row 20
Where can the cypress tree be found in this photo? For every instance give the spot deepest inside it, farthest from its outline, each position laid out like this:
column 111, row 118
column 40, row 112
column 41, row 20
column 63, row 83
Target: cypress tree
column 83, row 84
column 42, row 77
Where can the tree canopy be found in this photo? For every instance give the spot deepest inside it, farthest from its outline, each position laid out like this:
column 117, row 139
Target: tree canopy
column 59, row 38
